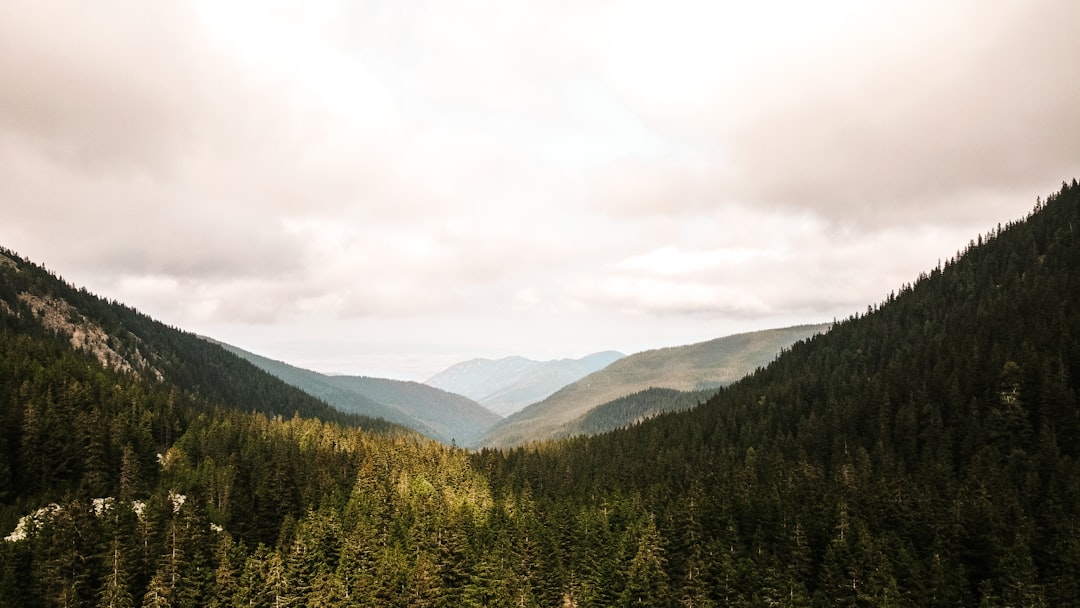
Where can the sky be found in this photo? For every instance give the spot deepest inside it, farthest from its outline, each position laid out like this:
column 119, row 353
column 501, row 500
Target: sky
column 389, row 187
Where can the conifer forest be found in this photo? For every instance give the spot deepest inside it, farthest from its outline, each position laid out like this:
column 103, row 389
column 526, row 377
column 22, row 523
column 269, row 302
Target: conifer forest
column 924, row 452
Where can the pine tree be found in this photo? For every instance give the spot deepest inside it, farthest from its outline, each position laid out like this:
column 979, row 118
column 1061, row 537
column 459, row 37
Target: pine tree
column 226, row 574
column 115, row 592
column 277, row 588
column 647, row 582
column 356, row 564
column 1020, row 586
column 130, row 472
column 694, row 592
column 159, row 592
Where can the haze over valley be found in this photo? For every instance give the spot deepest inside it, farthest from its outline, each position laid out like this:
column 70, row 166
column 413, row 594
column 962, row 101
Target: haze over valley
column 522, row 304
column 156, row 459
column 509, row 384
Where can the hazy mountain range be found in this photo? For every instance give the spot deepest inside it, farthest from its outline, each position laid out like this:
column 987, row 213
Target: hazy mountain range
column 506, row 385
column 923, row 453
column 436, row 413
column 694, row 367
column 553, row 399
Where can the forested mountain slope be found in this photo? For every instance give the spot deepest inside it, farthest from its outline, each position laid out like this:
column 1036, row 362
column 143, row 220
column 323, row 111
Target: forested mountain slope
column 433, row 412
column 39, row 304
column 506, row 385
column 632, row 409
column 693, row 367
column 922, row 454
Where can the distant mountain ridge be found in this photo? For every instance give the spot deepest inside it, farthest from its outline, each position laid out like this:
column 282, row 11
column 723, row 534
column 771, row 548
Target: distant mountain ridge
column 506, row 385
column 925, row 453
column 439, row 414
column 694, row 367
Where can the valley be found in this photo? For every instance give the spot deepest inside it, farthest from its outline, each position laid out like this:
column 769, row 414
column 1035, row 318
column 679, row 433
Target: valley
column 507, row 385
column 921, row 453
column 440, row 415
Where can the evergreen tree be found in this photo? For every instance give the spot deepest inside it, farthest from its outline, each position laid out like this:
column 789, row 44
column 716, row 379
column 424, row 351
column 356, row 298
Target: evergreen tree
column 159, row 593
column 647, row 581
column 115, row 592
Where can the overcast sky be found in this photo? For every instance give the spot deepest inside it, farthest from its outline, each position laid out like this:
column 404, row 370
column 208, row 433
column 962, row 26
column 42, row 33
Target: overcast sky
column 389, row 187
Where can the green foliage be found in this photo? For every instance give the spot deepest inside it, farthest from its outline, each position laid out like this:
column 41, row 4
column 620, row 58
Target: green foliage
column 633, row 409
column 923, row 454
column 139, row 344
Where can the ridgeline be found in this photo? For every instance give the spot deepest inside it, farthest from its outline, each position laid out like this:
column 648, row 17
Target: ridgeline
column 923, row 453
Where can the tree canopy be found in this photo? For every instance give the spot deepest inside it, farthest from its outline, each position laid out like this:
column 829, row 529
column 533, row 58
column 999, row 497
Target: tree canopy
column 924, row 453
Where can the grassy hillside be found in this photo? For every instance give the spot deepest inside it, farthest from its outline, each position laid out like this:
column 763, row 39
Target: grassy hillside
column 452, row 418
column 694, row 367
column 436, row 413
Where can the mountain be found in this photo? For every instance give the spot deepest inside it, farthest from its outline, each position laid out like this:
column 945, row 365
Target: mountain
column 37, row 302
column 695, row 367
column 923, row 453
column 509, row 384
column 99, row 402
column 436, row 413
column 633, row 409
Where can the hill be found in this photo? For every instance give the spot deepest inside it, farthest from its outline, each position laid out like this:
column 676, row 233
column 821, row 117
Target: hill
column 509, row 384
column 95, row 399
column 38, row 303
column 433, row 412
column 924, row 453
column 633, row 409
column 695, row 367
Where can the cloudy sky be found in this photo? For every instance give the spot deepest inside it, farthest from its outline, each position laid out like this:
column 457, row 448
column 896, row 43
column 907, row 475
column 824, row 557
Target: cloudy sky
column 389, row 187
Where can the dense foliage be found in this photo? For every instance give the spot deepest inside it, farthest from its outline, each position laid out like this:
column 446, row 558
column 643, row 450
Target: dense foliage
column 634, row 408
column 921, row 454
column 924, row 453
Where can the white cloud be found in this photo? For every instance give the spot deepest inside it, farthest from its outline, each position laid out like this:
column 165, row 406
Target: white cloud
column 671, row 260
column 488, row 177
